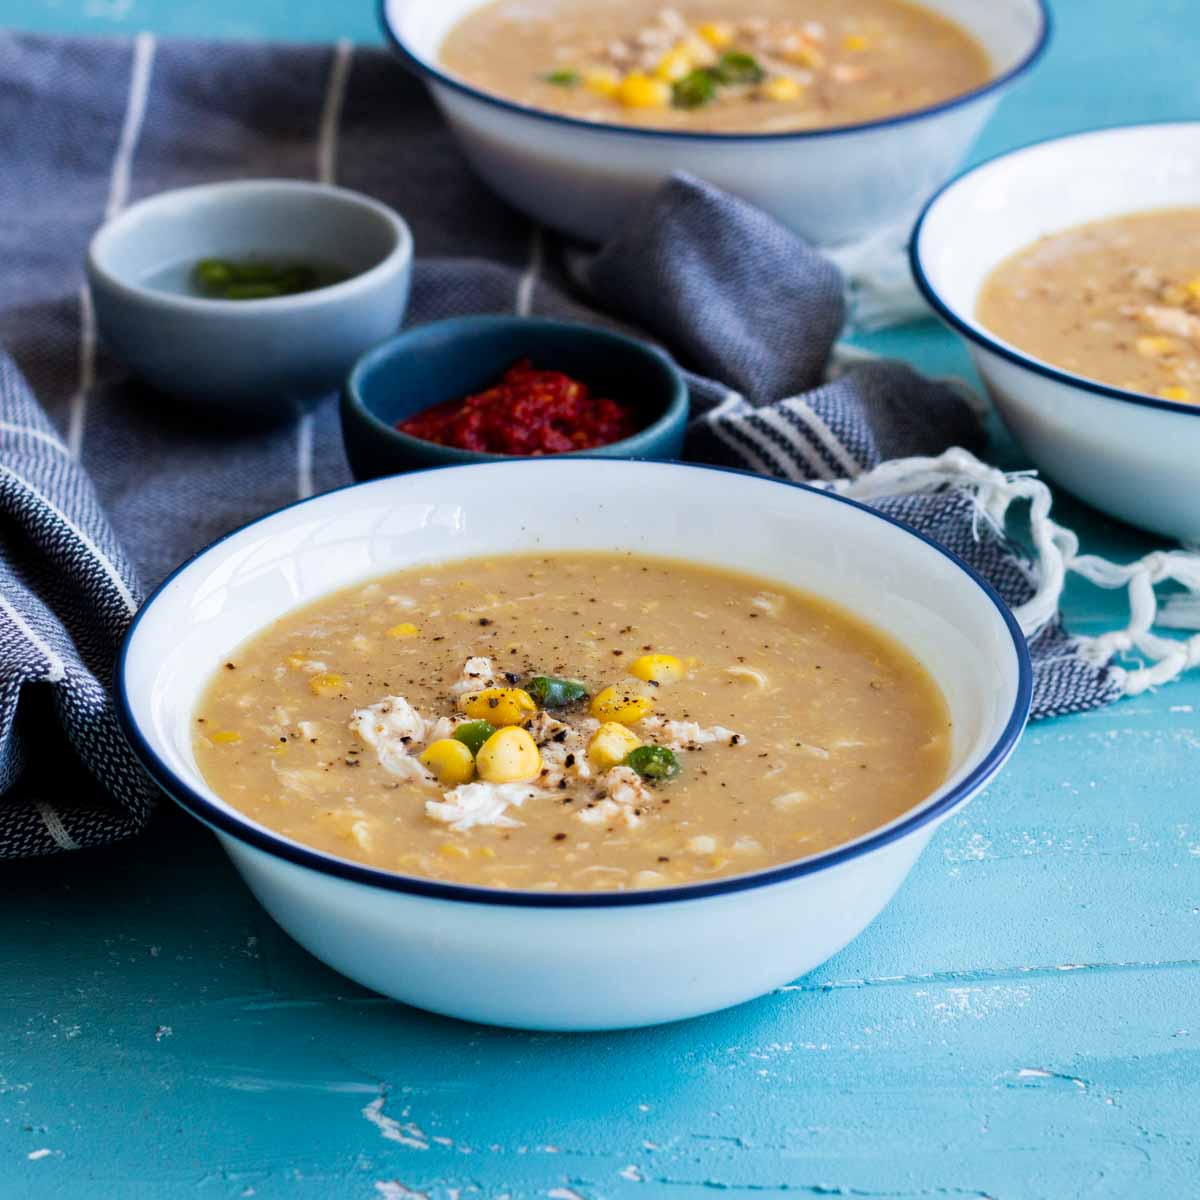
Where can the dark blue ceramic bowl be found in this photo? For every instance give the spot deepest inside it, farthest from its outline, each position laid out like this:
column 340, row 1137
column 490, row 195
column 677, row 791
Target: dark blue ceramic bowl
column 452, row 359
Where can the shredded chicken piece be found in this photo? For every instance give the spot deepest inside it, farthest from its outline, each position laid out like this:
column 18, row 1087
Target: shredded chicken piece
column 472, row 804
column 688, row 735
column 393, row 729
column 443, row 727
column 1146, row 277
column 749, row 674
column 476, row 673
column 563, row 747
column 625, row 795
column 772, row 603
column 603, row 812
column 1172, row 320
column 625, row 786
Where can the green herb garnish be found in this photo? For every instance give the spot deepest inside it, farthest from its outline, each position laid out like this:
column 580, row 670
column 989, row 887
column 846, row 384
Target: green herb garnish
column 695, row 89
column 256, row 278
column 736, row 66
column 562, row 78
column 653, row 762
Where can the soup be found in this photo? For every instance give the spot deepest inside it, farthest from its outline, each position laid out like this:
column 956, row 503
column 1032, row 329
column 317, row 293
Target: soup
column 715, row 65
column 1117, row 301
column 575, row 722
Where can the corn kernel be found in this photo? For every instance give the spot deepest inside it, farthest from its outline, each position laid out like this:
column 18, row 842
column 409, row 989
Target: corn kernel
column 406, row 629
column 1155, row 346
column 675, row 64
column 453, row 850
column 510, row 755
column 326, row 684
column 621, row 703
column 225, row 737
column 855, row 42
column 603, row 82
column 450, row 760
column 1193, row 288
column 802, row 53
column 486, row 852
column 657, row 668
column 718, row 34
column 640, row 91
column 1174, row 295
column 610, row 745
column 1173, row 391
column 501, row 706
column 781, row 87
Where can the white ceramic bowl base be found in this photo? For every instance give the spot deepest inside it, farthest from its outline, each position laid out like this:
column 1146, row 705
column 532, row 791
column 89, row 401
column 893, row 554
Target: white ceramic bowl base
column 1134, row 457
column 593, row 960
column 832, row 187
column 586, row 969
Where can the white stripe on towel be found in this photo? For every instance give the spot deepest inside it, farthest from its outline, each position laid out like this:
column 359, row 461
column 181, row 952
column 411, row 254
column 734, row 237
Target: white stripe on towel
column 825, row 436
column 304, row 457
column 797, row 447
column 56, row 669
column 54, row 826
column 331, row 111
column 118, row 195
column 106, row 564
column 29, row 431
column 530, row 275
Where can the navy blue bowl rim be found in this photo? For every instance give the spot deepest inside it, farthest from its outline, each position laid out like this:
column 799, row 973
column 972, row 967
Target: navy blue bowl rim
column 305, row 856
column 980, row 336
column 418, row 65
column 676, row 411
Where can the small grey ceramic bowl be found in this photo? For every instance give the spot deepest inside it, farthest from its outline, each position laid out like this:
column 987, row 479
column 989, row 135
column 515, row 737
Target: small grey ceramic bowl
column 455, row 358
column 258, row 359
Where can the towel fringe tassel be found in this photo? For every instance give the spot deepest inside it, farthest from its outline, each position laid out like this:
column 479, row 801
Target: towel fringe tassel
column 1055, row 556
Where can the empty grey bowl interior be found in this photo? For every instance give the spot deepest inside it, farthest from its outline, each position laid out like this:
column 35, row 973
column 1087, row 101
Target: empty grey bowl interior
column 326, row 229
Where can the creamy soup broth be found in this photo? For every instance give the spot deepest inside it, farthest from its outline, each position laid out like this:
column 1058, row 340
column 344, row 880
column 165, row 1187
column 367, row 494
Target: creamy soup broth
column 1117, row 301
column 766, row 66
column 795, row 727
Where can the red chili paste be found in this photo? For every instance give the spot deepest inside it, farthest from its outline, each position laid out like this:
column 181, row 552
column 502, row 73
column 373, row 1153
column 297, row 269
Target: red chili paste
column 527, row 412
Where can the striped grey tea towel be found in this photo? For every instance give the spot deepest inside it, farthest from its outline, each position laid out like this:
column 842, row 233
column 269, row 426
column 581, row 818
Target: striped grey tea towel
column 105, row 486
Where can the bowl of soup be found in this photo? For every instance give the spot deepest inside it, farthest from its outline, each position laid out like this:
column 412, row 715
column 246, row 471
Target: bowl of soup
column 1072, row 269
column 838, row 117
column 574, row 743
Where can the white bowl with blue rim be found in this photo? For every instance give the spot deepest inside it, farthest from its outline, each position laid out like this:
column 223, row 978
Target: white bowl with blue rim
column 556, row 960
column 832, row 186
column 1134, row 456
column 253, row 360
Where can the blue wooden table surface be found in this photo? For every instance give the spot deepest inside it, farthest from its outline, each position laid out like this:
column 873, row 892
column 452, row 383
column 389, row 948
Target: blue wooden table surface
column 1023, row 1022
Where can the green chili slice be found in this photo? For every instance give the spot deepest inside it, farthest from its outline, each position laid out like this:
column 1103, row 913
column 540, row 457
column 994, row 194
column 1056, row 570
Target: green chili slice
column 695, row 89
column 257, row 279
column 653, row 762
column 252, row 291
column 553, row 691
column 562, row 78
column 473, row 734
column 214, row 273
column 736, row 66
